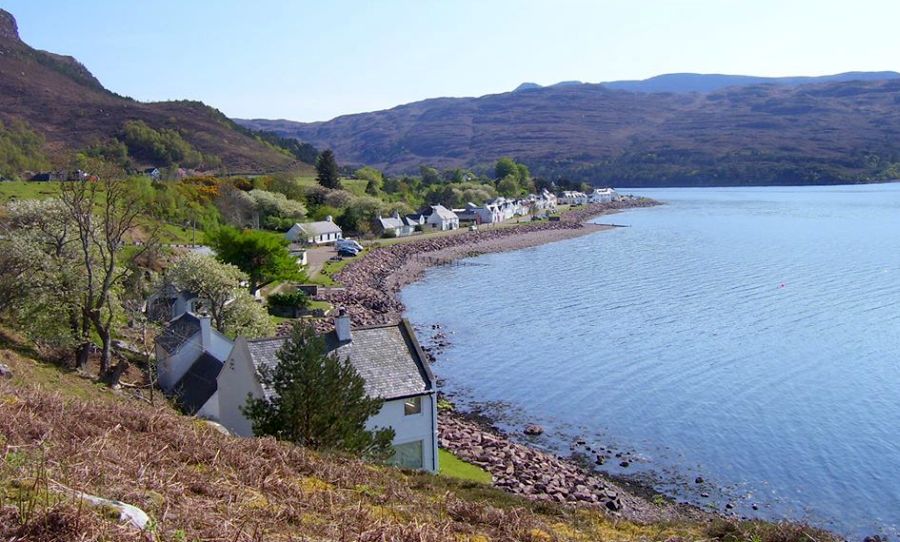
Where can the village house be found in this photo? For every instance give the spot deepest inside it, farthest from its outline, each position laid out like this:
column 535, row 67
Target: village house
column 190, row 353
column 571, row 197
column 153, row 173
column 393, row 226
column 438, row 217
column 475, row 214
column 389, row 359
column 325, row 232
column 603, row 195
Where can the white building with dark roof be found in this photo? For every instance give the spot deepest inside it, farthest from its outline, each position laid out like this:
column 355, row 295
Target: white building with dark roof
column 189, row 354
column 387, row 357
column 325, row 232
column 393, row 226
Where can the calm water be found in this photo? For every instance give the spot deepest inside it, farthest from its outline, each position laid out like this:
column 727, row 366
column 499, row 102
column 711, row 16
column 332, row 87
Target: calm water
column 748, row 336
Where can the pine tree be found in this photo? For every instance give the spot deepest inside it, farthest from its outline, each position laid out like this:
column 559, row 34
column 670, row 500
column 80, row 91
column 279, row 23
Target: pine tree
column 318, row 400
column 327, row 170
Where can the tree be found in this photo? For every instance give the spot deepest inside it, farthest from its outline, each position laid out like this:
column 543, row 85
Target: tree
column 508, row 186
column 506, row 167
column 429, row 175
column 215, row 283
column 103, row 213
column 327, row 170
column 263, row 256
column 318, row 400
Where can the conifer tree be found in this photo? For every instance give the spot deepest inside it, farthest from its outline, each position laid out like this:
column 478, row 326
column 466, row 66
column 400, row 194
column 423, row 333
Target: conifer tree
column 318, row 400
column 327, row 170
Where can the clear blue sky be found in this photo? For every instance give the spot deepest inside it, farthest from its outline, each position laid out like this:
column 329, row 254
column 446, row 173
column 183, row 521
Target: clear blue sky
column 314, row 60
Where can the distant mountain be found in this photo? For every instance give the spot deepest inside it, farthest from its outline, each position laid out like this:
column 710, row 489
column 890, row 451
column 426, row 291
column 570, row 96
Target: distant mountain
column 60, row 99
column 843, row 130
column 696, row 82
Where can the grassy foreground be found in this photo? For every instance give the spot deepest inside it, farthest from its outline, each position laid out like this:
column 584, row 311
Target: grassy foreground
column 198, row 484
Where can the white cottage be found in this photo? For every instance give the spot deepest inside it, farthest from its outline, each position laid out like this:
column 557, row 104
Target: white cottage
column 603, row 195
column 325, row 232
column 389, row 359
column 189, row 354
column 438, row 217
column 393, row 226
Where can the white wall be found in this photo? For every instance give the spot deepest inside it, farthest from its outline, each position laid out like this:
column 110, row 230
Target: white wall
column 421, row 426
column 235, row 382
column 170, row 369
column 210, row 410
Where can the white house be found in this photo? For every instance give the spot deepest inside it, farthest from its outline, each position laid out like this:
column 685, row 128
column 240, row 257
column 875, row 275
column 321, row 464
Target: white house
column 571, row 197
column 484, row 214
column 324, row 232
column 189, row 355
column 389, row 359
column 438, row 217
column 393, row 226
column 603, row 195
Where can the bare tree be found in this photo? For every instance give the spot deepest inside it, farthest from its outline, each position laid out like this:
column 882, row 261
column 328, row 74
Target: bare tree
column 104, row 211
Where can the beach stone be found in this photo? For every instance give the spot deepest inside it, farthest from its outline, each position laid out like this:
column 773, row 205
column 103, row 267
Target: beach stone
column 624, row 464
column 698, row 480
column 5, row 371
column 704, row 495
column 533, row 429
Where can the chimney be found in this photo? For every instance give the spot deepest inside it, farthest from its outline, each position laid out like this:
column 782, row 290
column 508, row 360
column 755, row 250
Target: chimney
column 329, row 218
column 396, row 215
column 342, row 326
column 205, row 332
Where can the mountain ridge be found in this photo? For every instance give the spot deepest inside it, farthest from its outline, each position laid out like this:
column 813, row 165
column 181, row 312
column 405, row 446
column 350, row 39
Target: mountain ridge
column 815, row 133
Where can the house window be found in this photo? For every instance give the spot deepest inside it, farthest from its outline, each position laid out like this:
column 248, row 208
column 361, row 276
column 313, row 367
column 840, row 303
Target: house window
column 408, row 455
column 411, row 406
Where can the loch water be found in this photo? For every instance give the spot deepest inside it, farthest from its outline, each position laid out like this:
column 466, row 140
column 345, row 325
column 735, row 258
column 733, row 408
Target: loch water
column 746, row 336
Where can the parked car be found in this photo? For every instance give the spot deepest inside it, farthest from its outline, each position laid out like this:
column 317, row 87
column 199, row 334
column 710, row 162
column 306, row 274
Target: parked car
column 347, row 252
column 348, row 243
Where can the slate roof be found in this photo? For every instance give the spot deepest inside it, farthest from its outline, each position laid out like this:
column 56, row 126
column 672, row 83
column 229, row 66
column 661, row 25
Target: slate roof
column 198, row 384
column 390, row 223
column 387, row 357
column 320, row 228
column 442, row 212
column 178, row 331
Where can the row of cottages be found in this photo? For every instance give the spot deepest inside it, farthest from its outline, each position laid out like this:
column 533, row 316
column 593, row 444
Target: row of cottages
column 325, row 232
column 545, row 201
column 211, row 377
column 396, row 225
column 572, row 197
column 603, row 195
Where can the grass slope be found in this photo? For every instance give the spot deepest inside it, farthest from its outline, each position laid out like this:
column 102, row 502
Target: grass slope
column 198, row 484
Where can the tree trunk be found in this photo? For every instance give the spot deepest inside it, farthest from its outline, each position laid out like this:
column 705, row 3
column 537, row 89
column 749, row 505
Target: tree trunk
column 114, row 374
column 106, row 348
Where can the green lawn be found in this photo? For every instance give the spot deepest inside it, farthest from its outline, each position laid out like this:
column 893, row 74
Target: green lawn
column 27, row 190
column 331, row 268
column 455, row 467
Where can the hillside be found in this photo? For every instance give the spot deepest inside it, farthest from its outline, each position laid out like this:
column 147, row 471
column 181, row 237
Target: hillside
column 57, row 97
column 60, row 430
column 820, row 133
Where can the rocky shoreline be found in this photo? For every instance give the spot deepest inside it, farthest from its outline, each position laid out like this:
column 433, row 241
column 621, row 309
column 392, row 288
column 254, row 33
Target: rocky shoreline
column 540, row 476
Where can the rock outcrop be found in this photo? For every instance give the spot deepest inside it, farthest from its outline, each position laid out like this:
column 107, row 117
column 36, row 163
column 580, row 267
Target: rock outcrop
column 9, row 30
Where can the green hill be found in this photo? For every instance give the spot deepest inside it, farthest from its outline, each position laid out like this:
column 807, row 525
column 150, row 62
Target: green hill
column 56, row 97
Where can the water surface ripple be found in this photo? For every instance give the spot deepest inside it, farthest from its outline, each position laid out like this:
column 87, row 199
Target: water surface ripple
column 749, row 336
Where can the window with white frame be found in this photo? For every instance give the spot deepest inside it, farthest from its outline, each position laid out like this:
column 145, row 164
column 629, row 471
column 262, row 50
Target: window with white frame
column 411, row 406
column 408, row 455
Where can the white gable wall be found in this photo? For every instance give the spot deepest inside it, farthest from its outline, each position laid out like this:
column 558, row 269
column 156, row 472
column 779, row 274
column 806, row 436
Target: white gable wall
column 411, row 428
column 236, row 382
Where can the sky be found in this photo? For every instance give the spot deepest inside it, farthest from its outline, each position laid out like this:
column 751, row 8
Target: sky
column 314, row 60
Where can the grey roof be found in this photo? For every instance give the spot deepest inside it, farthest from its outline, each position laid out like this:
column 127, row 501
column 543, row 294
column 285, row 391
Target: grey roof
column 178, row 331
column 442, row 212
column 387, row 357
column 198, row 384
column 320, row 228
column 390, row 223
